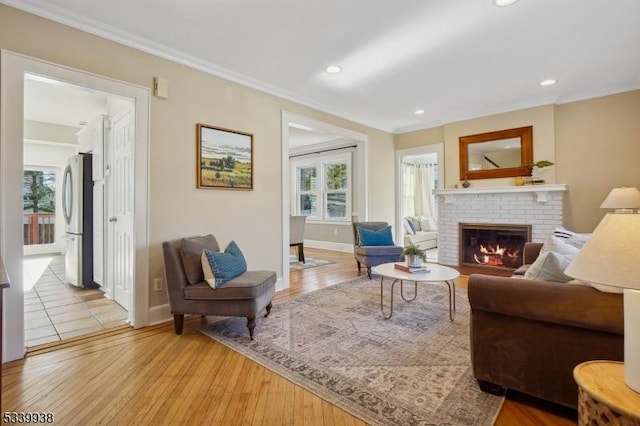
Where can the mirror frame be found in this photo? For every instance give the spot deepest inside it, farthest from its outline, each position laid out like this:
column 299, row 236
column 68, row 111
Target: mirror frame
column 526, row 154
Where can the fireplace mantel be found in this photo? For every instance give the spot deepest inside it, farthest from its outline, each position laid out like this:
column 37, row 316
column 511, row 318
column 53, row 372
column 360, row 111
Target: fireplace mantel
column 541, row 192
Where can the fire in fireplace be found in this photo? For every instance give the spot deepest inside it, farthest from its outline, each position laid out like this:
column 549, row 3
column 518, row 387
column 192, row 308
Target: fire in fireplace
column 493, row 245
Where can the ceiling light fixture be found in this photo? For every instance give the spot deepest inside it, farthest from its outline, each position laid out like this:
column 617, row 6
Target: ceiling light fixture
column 502, row 3
column 418, row 112
column 548, row 82
column 333, row 69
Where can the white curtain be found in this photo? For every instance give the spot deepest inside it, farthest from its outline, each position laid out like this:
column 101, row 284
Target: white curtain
column 418, row 189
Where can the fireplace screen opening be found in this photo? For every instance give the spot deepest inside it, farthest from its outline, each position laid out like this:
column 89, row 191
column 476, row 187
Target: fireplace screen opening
column 493, row 245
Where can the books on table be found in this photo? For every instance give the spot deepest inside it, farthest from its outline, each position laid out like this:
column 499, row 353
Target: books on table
column 412, row 270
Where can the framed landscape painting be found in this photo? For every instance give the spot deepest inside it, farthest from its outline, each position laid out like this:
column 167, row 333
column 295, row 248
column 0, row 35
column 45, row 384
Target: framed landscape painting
column 225, row 158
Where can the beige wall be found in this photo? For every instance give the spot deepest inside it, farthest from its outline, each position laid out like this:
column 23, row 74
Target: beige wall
column 420, row 138
column 177, row 208
column 597, row 149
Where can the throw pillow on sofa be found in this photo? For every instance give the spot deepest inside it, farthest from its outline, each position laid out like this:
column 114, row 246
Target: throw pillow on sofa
column 428, row 224
column 558, row 245
column 380, row 237
column 408, row 226
column 549, row 266
column 572, row 238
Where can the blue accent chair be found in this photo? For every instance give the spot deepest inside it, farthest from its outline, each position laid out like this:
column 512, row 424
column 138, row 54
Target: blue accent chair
column 370, row 256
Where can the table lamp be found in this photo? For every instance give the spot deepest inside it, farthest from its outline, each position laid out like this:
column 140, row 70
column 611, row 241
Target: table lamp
column 623, row 200
column 612, row 257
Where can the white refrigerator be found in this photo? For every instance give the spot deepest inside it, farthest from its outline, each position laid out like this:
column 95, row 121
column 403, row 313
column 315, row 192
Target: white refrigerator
column 77, row 206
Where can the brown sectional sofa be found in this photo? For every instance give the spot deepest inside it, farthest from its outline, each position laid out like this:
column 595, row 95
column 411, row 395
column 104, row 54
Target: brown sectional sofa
column 529, row 335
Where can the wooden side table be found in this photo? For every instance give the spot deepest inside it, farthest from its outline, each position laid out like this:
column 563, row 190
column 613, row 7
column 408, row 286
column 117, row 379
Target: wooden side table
column 603, row 396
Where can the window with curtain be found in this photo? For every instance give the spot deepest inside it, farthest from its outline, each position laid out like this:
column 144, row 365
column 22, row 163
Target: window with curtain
column 323, row 187
column 420, row 181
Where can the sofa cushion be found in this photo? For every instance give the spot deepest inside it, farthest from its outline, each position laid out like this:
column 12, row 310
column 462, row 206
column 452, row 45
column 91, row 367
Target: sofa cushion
column 549, row 266
column 248, row 285
column 191, row 253
column 378, row 250
column 380, row 237
column 227, row 265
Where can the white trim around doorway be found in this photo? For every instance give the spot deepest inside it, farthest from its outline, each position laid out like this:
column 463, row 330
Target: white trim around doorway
column 13, row 68
column 360, row 202
column 438, row 149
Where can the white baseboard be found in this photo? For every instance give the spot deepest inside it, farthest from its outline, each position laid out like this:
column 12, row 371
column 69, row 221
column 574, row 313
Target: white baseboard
column 159, row 314
column 328, row 245
column 279, row 285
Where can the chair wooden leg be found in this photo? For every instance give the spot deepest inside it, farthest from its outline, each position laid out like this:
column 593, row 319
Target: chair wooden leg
column 369, row 271
column 251, row 324
column 178, row 320
column 268, row 309
column 359, row 266
column 301, row 253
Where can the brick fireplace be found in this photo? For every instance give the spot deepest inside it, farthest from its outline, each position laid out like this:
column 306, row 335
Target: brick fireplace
column 540, row 207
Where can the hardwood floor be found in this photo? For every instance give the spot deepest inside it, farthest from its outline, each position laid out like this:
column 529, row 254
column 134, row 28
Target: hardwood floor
column 152, row 376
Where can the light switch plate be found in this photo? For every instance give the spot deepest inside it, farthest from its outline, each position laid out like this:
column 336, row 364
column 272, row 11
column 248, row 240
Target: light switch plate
column 160, row 87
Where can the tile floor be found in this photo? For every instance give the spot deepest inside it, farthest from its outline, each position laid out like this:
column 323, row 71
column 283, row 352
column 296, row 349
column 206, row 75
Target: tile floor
column 56, row 311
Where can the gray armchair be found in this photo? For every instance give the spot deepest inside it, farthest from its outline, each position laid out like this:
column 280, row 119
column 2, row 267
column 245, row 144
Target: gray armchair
column 296, row 234
column 243, row 296
column 373, row 255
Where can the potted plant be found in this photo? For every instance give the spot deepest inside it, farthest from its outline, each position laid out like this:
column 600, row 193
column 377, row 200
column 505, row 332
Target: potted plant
column 536, row 170
column 414, row 255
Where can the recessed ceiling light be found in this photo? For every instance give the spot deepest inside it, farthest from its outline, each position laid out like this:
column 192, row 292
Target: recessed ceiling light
column 501, row 3
column 333, row 69
column 418, row 111
column 548, row 82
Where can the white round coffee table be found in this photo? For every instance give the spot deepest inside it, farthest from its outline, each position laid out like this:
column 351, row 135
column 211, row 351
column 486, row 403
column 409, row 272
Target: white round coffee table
column 437, row 273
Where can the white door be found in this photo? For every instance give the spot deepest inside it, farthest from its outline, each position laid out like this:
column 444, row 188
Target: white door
column 120, row 208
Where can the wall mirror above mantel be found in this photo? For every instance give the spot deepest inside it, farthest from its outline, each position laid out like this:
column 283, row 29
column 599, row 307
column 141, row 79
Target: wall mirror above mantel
column 504, row 153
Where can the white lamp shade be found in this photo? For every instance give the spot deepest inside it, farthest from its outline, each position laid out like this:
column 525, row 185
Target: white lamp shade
column 612, row 255
column 622, row 198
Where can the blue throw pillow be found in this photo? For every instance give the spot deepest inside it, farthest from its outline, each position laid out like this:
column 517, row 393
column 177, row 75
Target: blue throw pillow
column 381, row 237
column 228, row 265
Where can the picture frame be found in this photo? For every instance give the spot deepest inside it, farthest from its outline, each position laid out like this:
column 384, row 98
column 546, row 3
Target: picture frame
column 224, row 158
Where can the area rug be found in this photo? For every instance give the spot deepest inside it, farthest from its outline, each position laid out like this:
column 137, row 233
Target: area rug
column 413, row 369
column 309, row 262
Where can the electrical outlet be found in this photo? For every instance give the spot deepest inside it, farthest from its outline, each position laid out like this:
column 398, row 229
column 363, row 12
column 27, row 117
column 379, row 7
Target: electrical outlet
column 157, row 284
column 335, row 231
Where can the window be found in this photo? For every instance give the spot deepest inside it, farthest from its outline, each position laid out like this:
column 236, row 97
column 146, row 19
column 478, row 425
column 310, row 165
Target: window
column 323, row 187
column 39, row 206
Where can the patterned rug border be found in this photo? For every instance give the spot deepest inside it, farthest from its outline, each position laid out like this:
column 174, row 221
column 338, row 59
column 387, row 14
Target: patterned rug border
column 304, row 373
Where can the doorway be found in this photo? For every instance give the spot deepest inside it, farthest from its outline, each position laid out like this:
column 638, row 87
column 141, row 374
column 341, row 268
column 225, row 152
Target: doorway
column 12, row 91
column 419, row 173
column 303, row 137
column 67, row 293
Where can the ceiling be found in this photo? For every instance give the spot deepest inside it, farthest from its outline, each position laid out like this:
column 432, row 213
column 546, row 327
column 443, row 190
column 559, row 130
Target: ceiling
column 54, row 102
column 454, row 59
